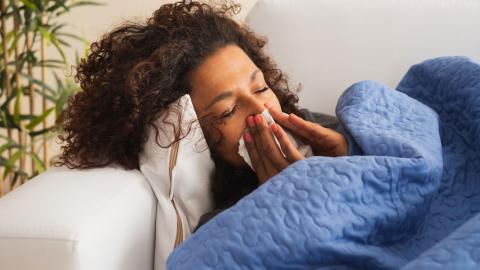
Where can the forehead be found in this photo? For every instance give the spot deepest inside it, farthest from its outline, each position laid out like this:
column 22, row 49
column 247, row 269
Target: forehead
column 227, row 69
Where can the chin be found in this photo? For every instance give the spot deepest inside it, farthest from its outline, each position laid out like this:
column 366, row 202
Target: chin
column 237, row 161
column 234, row 160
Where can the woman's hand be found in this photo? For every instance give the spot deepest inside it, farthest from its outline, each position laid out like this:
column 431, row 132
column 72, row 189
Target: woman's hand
column 324, row 141
column 266, row 157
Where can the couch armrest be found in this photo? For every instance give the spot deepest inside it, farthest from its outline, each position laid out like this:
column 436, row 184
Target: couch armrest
column 79, row 219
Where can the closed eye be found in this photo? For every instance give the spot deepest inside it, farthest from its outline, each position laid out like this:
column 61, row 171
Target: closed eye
column 229, row 113
column 262, row 90
column 232, row 111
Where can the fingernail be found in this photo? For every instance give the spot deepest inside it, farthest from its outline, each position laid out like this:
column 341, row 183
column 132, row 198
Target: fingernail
column 247, row 137
column 250, row 121
column 267, row 105
column 274, row 127
column 258, row 119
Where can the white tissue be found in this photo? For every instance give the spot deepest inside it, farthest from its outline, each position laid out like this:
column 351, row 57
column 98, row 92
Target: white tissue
column 304, row 149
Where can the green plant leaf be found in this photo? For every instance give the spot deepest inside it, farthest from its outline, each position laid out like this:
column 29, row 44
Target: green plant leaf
column 41, row 132
column 39, row 119
column 45, row 34
column 51, row 63
column 58, row 27
column 6, row 138
column 17, row 14
column 57, row 45
column 39, row 83
column 57, row 5
column 7, row 145
column 11, row 162
column 73, row 36
column 26, row 116
column 39, row 165
column 31, row 58
column 4, row 105
column 8, row 120
column 27, row 16
column 37, row 18
column 9, row 36
column 17, row 174
column 3, row 120
column 85, row 3
column 53, row 66
column 13, row 45
column 3, row 162
column 67, row 88
column 33, row 27
column 16, row 109
column 59, row 83
column 30, row 5
column 50, row 98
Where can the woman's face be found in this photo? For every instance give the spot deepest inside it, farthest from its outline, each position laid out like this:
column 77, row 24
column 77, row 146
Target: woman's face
column 229, row 87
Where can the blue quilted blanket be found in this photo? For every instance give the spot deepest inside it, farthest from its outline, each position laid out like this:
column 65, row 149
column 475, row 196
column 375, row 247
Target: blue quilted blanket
column 407, row 197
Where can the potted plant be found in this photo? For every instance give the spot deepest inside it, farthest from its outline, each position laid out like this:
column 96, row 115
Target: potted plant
column 32, row 93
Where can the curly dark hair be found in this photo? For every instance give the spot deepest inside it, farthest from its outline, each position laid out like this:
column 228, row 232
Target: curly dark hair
column 137, row 70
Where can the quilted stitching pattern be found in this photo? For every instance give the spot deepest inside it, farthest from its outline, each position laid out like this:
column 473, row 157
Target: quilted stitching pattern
column 412, row 199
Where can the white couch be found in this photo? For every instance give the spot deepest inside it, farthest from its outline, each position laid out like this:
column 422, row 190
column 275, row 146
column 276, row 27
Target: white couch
column 70, row 219
column 105, row 218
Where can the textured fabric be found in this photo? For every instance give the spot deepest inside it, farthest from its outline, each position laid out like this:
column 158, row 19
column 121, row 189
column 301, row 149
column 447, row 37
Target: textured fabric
column 411, row 200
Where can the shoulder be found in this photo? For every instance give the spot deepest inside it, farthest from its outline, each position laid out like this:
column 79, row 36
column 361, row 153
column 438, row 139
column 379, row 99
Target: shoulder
column 326, row 120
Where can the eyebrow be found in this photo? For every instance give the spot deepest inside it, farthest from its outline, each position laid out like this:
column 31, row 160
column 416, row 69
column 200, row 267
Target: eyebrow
column 228, row 93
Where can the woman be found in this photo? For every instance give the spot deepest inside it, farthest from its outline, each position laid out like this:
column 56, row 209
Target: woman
column 135, row 71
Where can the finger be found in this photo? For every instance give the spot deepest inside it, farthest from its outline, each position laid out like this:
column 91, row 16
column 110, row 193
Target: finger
column 305, row 128
column 290, row 121
column 287, row 146
column 315, row 132
column 257, row 138
column 269, row 146
column 254, row 157
column 279, row 116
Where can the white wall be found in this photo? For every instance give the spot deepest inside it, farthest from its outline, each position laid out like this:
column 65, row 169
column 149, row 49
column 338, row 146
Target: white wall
column 91, row 22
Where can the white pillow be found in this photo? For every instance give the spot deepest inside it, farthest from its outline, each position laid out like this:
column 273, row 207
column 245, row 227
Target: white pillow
column 184, row 194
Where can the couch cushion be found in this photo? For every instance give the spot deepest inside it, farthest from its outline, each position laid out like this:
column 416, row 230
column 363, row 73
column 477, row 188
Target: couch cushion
column 79, row 219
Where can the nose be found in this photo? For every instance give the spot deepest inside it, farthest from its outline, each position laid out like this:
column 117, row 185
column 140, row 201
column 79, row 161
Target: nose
column 255, row 105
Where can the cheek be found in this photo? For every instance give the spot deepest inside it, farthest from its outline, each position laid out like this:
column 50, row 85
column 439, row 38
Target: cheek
column 274, row 102
column 230, row 132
